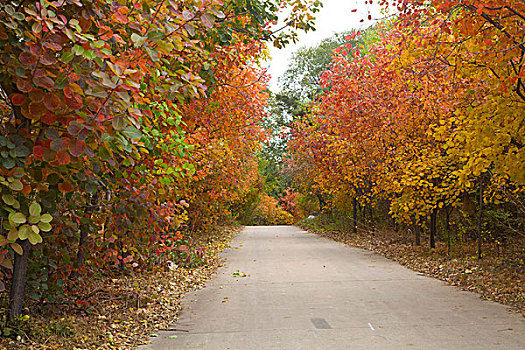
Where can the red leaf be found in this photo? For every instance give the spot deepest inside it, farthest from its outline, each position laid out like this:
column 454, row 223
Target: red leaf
column 73, row 129
column 52, row 102
column 93, row 104
column 44, row 81
column 77, row 148
column 353, row 10
column 68, row 92
column 36, row 109
column 49, row 118
column 107, row 33
column 74, row 103
column 58, row 145
column 48, row 58
column 27, row 59
column 36, row 95
column 39, row 151
column 50, row 156
column 63, row 157
column 120, row 18
column 35, row 50
column 18, row 99
column 23, row 85
column 27, row 189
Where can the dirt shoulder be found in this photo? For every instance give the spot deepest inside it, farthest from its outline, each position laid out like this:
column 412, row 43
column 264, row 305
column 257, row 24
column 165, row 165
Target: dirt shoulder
column 122, row 312
column 499, row 276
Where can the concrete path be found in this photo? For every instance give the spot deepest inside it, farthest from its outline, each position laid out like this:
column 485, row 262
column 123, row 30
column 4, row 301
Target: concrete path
column 306, row 292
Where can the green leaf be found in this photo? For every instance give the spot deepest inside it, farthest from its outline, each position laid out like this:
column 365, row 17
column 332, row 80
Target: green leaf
column 9, row 163
column 137, row 39
column 155, row 35
column 35, row 238
column 117, row 122
column 106, row 137
column 132, row 132
column 46, row 218
column 44, row 226
column 19, row 16
column 153, row 54
column 36, row 27
column 7, row 225
column 34, row 219
column 18, row 172
column 8, row 199
column 23, row 233
column 78, row 50
column 16, row 185
column 17, row 218
column 35, row 209
column 12, row 235
column 89, row 54
column 35, row 229
column 22, row 151
column 61, row 81
column 67, row 56
column 10, row 10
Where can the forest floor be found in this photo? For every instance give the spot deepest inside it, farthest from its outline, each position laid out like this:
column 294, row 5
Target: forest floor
column 125, row 311
column 499, row 276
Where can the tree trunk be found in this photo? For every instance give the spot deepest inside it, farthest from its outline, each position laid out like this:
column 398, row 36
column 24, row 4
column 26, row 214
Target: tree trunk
column 372, row 223
column 394, row 224
column 84, row 232
column 447, row 227
column 480, row 217
column 18, row 281
column 322, row 202
column 81, row 252
column 355, row 215
column 417, row 232
column 433, row 228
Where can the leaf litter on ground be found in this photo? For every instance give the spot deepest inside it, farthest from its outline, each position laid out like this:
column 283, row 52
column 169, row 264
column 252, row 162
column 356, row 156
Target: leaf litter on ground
column 499, row 276
column 126, row 310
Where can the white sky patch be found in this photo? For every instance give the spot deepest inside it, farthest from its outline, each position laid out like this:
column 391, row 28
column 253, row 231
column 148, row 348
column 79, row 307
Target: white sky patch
column 335, row 16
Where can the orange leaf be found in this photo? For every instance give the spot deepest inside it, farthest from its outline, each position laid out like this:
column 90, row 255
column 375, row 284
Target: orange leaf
column 63, row 157
column 65, row 187
column 26, row 190
column 18, row 99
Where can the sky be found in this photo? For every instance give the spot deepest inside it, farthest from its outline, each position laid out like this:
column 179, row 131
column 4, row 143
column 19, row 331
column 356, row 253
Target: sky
column 335, row 17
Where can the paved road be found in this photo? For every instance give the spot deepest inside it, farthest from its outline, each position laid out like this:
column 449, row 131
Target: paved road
column 306, row 292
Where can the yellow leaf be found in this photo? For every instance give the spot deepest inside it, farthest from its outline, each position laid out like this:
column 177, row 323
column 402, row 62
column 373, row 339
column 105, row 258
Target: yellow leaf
column 17, row 248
